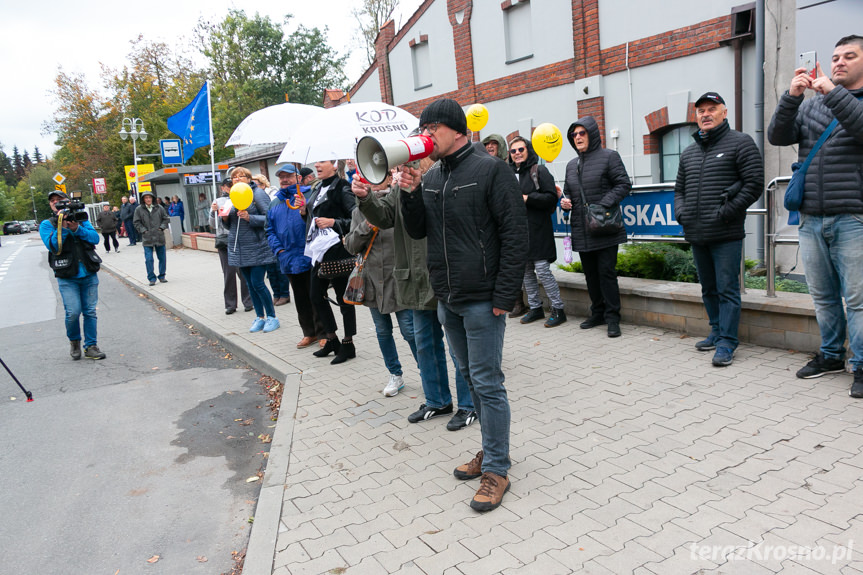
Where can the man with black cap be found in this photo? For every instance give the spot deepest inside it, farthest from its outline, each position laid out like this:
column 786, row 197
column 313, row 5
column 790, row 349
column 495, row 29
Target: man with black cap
column 471, row 211
column 718, row 178
column 72, row 255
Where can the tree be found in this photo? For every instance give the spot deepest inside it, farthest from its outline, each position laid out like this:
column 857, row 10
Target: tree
column 7, row 172
column 253, row 64
column 37, row 155
column 371, row 16
column 17, row 163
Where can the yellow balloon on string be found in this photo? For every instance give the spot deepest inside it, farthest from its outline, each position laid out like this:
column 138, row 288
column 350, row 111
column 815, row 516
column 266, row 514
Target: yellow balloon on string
column 477, row 117
column 242, row 195
column 547, row 141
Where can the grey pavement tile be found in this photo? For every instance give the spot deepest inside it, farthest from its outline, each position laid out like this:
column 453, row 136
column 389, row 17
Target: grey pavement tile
column 354, row 553
column 632, row 557
column 737, row 503
column 612, row 512
column 577, row 554
column 392, row 560
column 323, row 564
column 481, row 545
column 491, row 564
column 617, row 536
column 703, row 521
column 292, row 554
column 543, row 564
column 786, row 507
column 446, row 560
column 724, row 482
column 528, row 525
column 755, row 525
column 640, row 475
column 288, row 536
column 807, row 531
column 646, row 494
column 768, row 488
column 381, row 524
column 657, row 515
column 667, row 539
column 840, row 509
column 603, row 492
column 683, row 562
column 327, row 525
column 317, row 547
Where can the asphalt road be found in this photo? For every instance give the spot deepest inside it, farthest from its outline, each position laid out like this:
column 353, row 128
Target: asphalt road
column 145, row 453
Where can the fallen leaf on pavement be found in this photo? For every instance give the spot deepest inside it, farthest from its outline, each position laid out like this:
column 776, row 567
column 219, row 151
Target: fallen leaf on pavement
column 201, row 559
column 153, row 559
column 265, row 438
column 252, row 479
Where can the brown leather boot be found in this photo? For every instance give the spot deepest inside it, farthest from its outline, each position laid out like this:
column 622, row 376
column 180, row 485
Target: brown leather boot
column 490, row 493
column 471, row 469
column 520, row 309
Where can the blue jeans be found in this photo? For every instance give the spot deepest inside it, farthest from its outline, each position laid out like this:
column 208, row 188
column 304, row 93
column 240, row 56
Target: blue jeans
column 431, row 359
column 279, row 282
column 261, row 297
column 832, row 250
column 718, row 266
column 475, row 335
column 148, row 261
column 131, row 231
column 384, row 331
column 80, row 296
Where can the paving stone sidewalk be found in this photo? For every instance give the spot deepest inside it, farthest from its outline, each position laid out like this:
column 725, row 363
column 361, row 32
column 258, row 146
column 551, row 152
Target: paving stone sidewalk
column 630, row 455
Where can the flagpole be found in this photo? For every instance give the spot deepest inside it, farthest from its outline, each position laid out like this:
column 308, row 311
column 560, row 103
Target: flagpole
column 212, row 156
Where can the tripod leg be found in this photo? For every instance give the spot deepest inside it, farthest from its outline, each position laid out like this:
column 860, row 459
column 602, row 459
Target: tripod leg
column 27, row 393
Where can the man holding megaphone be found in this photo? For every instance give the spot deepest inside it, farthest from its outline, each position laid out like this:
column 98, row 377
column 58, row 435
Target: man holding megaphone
column 470, row 209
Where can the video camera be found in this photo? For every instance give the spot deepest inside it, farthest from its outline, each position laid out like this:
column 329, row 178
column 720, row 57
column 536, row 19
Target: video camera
column 72, row 210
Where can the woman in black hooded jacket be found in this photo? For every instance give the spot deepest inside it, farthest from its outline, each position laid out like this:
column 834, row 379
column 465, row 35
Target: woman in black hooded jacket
column 540, row 200
column 600, row 174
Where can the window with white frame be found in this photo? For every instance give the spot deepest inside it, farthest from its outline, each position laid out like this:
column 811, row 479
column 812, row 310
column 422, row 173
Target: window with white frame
column 672, row 144
column 517, row 31
column 421, row 60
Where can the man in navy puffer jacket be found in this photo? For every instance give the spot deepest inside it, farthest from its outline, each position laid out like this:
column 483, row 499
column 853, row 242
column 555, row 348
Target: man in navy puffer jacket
column 719, row 177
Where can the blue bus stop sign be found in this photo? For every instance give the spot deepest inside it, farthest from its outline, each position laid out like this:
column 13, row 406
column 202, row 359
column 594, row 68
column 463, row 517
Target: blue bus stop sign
column 172, row 153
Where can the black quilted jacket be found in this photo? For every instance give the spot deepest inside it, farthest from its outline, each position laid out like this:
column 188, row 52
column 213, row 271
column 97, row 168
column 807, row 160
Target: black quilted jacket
column 605, row 182
column 720, row 175
column 834, row 181
column 471, row 210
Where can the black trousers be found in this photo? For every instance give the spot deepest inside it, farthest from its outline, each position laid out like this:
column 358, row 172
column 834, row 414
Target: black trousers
column 306, row 314
column 600, row 273
column 108, row 237
column 319, row 287
column 231, row 276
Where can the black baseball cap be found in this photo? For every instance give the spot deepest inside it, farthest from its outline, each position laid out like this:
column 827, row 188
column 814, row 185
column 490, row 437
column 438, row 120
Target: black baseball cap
column 306, row 172
column 62, row 195
column 710, row 96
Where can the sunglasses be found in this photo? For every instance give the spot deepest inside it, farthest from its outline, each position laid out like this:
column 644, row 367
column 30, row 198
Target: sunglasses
column 517, row 150
column 578, row 133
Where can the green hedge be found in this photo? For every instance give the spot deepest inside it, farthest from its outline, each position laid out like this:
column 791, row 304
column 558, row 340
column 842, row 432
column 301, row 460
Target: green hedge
column 673, row 262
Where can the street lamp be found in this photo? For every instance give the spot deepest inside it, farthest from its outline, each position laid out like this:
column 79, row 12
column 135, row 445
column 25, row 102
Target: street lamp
column 136, row 130
column 33, row 199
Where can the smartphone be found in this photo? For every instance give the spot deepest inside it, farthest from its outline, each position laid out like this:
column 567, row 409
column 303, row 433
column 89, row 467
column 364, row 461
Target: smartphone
column 808, row 60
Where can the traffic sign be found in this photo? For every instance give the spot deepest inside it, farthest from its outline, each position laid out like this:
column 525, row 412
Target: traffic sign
column 171, row 152
column 60, row 187
column 59, row 178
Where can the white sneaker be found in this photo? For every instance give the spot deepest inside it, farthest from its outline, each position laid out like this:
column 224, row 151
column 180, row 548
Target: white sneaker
column 395, row 385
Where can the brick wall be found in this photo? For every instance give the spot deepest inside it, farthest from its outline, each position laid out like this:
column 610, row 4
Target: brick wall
column 593, row 107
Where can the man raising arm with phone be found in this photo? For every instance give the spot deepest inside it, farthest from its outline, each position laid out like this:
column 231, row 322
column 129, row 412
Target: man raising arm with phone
column 831, row 215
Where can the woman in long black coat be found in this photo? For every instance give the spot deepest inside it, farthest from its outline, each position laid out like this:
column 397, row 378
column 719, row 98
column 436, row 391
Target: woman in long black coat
column 600, row 174
column 540, row 200
column 330, row 205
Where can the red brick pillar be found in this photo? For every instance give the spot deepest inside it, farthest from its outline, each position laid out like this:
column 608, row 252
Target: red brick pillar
column 585, row 34
column 382, row 58
column 463, row 49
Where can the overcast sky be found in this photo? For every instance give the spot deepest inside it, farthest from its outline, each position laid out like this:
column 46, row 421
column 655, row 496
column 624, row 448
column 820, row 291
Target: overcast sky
column 37, row 37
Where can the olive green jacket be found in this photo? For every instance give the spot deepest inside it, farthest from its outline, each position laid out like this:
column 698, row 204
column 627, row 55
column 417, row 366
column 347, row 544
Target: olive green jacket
column 413, row 290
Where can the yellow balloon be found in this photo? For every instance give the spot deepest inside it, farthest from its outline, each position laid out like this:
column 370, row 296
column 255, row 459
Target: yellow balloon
column 547, row 141
column 477, row 117
column 242, row 195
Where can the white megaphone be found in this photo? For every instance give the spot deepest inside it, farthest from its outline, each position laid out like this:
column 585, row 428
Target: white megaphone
column 376, row 158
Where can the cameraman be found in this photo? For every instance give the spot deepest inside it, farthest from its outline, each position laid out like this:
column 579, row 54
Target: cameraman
column 72, row 256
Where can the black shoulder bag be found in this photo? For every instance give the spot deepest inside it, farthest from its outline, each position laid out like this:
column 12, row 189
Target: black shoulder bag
column 599, row 220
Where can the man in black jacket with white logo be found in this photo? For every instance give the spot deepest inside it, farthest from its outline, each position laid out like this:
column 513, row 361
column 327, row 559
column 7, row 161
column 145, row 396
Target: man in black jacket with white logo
column 471, row 210
column 719, row 177
column 831, row 215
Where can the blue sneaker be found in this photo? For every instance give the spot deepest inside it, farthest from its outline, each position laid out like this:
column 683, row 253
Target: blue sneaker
column 723, row 357
column 272, row 324
column 257, row 325
column 707, row 344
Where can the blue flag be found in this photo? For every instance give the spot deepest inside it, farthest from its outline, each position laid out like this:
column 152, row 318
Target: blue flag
column 192, row 124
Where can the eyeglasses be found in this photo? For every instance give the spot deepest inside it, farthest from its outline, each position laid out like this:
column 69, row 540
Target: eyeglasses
column 578, row 133
column 430, row 128
column 517, row 150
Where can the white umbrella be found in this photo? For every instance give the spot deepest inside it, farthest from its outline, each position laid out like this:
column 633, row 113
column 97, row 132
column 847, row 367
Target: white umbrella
column 333, row 135
column 272, row 125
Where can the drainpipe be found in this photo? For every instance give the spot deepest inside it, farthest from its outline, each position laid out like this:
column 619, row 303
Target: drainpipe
column 631, row 118
column 759, row 121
